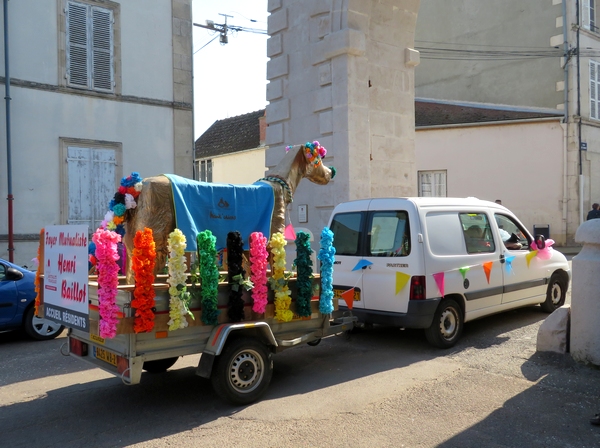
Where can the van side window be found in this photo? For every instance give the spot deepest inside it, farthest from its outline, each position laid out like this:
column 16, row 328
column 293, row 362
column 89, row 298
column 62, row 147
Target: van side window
column 347, row 230
column 511, row 233
column 389, row 234
column 477, row 233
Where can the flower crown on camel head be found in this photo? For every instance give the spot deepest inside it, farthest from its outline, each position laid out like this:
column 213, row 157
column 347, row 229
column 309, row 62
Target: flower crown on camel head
column 313, row 152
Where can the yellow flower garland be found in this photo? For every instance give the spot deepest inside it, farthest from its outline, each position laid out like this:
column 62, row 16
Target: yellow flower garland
column 278, row 281
column 179, row 302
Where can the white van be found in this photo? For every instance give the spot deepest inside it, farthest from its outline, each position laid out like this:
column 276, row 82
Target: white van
column 436, row 263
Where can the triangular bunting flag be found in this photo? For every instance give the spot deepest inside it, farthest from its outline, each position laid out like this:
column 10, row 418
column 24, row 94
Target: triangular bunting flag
column 530, row 256
column 509, row 261
column 439, row 281
column 361, row 264
column 463, row 271
column 348, row 297
column 487, row 268
column 401, row 280
column 289, row 233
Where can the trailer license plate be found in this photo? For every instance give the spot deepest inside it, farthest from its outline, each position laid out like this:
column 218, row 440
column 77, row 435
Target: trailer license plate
column 105, row 355
column 337, row 294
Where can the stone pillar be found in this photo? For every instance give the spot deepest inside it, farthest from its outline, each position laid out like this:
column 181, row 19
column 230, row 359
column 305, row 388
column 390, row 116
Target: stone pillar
column 342, row 72
column 585, row 295
column 183, row 119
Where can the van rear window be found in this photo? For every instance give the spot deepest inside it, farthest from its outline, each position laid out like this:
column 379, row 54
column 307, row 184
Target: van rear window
column 346, row 228
column 389, row 234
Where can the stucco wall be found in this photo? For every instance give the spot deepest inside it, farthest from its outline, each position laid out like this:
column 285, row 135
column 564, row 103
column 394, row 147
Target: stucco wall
column 241, row 168
column 521, row 164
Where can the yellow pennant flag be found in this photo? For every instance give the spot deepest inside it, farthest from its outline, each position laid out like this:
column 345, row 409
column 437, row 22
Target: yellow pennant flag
column 401, row 280
column 530, row 256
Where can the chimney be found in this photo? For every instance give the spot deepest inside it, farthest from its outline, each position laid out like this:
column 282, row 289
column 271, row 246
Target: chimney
column 262, row 125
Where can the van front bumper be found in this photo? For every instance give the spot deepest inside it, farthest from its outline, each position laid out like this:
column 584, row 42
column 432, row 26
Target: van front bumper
column 419, row 315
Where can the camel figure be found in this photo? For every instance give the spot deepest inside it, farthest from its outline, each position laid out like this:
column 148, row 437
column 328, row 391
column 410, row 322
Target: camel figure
column 155, row 208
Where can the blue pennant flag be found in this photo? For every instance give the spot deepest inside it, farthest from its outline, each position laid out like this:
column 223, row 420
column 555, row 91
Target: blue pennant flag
column 362, row 264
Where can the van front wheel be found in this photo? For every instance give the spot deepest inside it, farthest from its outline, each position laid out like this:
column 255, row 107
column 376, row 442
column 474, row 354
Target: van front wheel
column 447, row 325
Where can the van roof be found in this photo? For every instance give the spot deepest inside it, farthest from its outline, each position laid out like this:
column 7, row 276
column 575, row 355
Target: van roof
column 429, row 202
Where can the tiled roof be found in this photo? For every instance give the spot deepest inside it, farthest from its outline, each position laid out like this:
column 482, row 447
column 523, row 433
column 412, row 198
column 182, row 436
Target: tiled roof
column 230, row 135
column 243, row 132
column 439, row 113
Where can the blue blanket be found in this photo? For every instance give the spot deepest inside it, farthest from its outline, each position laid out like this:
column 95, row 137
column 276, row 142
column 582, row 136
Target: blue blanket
column 221, row 208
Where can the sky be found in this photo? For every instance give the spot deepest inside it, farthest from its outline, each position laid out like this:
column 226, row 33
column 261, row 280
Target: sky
column 229, row 79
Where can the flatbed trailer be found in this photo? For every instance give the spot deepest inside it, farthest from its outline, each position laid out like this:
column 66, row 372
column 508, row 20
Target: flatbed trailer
column 236, row 356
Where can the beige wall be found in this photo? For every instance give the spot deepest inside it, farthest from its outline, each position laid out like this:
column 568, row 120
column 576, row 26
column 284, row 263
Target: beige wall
column 521, row 164
column 241, row 168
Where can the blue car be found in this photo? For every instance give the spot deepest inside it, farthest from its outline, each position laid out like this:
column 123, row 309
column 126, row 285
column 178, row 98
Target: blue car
column 17, row 300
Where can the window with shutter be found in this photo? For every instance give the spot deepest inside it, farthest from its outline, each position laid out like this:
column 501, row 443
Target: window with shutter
column 89, row 35
column 204, row 170
column 594, row 91
column 432, row 184
column 91, row 177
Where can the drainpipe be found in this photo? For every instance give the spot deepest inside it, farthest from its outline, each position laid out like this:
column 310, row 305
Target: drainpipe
column 565, row 221
column 11, row 247
column 581, row 179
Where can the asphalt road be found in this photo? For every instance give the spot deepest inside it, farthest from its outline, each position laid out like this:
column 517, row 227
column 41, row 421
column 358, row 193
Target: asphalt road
column 378, row 388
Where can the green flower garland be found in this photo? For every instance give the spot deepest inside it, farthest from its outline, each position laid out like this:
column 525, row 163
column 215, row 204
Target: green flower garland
column 304, row 266
column 209, row 276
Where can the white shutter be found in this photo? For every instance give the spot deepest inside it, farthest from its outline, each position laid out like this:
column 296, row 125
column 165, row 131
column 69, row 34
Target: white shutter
column 585, row 14
column 77, row 45
column 102, row 44
column 593, row 91
column 80, row 188
column 440, row 184
column 103, row 179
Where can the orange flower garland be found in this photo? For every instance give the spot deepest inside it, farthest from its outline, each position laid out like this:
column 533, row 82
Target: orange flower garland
column 142, row 262
column 37, row 282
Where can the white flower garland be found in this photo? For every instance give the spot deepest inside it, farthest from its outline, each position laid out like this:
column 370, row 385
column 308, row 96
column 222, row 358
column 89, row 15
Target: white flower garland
column 180, row 298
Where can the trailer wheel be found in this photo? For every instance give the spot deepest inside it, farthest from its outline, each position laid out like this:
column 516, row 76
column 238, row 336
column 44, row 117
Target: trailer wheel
column 243, row 371
column 159, row 365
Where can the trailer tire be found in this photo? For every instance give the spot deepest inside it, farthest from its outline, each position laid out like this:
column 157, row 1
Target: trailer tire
column 159, row 365
column 242, row 372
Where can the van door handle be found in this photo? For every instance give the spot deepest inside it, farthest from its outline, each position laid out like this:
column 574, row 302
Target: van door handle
column 502, row 260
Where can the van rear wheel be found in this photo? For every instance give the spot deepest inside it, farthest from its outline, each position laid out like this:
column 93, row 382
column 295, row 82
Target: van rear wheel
column 447, row 325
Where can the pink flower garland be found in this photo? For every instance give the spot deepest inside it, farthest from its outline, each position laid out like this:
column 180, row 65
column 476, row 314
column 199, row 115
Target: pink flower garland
column 258, row 268
column 108, row 281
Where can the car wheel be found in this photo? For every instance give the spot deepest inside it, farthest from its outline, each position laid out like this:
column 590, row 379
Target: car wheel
column 447, row 325
column 39, row 328
column 556, row 293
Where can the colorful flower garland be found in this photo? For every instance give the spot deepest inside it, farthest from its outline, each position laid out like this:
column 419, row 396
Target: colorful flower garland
column 278, row 281
column 258, row 268
column 142, row 262
column 209, row 276
column 124, row 199
column 313, row 152
column 179, row 303
column 108, row 280
column 235, row 276
column 304, row 266
column 327, row 258
column 37, row 281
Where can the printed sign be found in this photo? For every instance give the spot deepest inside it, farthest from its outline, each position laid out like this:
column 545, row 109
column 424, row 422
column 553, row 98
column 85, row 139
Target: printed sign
column 66, row 276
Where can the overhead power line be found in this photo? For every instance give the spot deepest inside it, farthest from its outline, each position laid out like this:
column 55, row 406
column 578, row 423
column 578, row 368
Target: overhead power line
column 224, row 29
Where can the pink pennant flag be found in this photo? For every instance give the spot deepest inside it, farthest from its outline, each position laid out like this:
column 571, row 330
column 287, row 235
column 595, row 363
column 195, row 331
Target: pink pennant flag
column 439, row 281
column 289, row 232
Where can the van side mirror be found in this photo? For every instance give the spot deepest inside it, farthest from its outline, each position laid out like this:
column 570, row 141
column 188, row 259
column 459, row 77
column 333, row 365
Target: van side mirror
column 540, row 241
